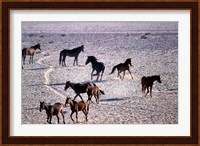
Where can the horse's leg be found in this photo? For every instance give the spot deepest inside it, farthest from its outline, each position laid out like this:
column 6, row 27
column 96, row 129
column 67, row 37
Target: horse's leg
column 47, row 118
column 102, row 73
column 50, row 119
column 89, row 97
column 85, row 113
column 63, row 60
column 92, row 73
column 98, row 76
column 130, row 73
column 75, row 96
column 71, row 115
column 147, row 91
column 63, row 117
column 77, row 60
column 57, row 118
column 30, row 59
column 119, row 75
column 76, row 116
column 143, row 90
column 24, row 57
column 97, row 98
column 80, row 97
column 74, row 61
column 151, row 90
column 123, row 75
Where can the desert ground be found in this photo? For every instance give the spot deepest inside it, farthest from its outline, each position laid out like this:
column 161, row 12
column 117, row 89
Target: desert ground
column 156, row 53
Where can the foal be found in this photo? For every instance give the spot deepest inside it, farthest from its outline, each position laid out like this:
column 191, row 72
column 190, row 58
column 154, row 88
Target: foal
column 147, row 82
column 52, row 110
column 77, row 106
column 93, row 90
column 122, row 67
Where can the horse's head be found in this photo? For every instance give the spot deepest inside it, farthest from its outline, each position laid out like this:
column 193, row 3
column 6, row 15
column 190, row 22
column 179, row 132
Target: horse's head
column 158, row 79
column 88, row 60
column 67, row 85
column 68, row 100
column 41, row 105
column 38, row 46
column 129, row 61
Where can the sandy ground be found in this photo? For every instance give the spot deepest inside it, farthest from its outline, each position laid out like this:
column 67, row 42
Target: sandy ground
column 122, row 103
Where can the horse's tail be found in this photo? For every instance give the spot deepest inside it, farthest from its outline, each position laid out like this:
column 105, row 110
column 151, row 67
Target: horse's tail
column 102, row 92
column 143, row 79
column 113, row 69
column 60, row 57
column 24, row 51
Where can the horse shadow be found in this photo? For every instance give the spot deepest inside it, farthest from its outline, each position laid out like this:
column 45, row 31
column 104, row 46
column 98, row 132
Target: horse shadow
column 113, row 99
column 57, row 84
column 94, row 81
column 32, row 69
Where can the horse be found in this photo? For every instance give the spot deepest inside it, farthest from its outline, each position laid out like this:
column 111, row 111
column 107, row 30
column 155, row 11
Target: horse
column 93, row 90
column 77, row 87
column 52, row 110
column 77, row 106
column 98, row 66
column 147, row 82
column 122, row 67
column 71, row 53
column 29, row 51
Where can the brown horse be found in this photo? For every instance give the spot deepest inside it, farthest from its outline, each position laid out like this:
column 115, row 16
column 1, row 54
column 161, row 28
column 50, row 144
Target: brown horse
column 93, row 90
column 147, row 82
column 122, row 67
column 77, row 87
column 29, row 51
column 52, row 110
column 77, row 106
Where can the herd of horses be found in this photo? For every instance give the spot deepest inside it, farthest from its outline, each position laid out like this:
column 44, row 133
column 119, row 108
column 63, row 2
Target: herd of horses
column 91, row 89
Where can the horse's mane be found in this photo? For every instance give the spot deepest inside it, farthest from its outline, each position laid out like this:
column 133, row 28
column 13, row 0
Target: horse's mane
column 47, row 105
column 35, row 45
column 92, row 58
column 129, row 59
column 78, row 48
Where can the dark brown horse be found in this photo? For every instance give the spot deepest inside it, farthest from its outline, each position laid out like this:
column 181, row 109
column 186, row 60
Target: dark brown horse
column 93, row 90
column 29, row 51
column 122, row 67
column 96, row 66
column 77, row 106
column 71, row 53
column 147, row 82
column 77, row 87
column 52, row 110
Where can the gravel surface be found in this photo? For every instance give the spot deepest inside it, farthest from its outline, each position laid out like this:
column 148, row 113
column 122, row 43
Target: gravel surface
column 156, row 54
